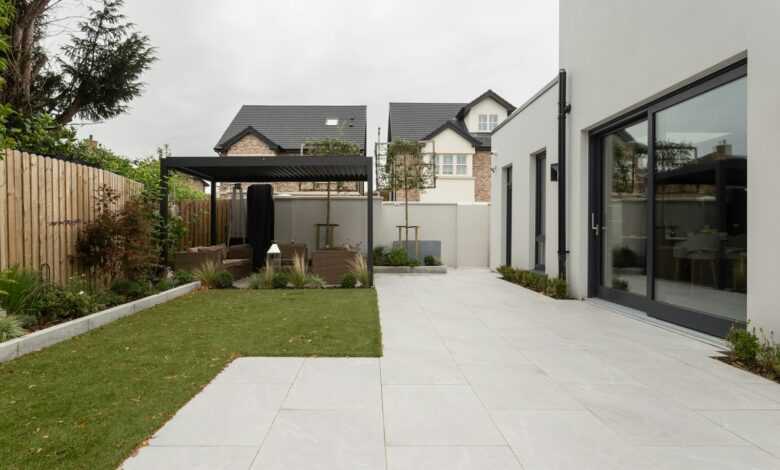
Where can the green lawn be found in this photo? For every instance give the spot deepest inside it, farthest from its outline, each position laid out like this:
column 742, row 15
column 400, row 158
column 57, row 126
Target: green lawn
column 88, row 402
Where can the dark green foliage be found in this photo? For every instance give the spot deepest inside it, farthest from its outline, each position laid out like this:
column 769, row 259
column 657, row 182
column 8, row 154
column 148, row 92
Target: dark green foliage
column 397, row 257
column 745, row 345
column 10, row 327
column 552, row 287
column 130, row 289
column 164, row 284
column 380, row 256
column 96, row 73
column 624, row 257
column 349, row 281
column 280, row 280
column 23, row 291
column 224, row 280
column 431, row 261
column 75, row 300
column 537, row 281
column 768, row 357
column 619, row 284
column 556, row 288
column 89, row 402
column 106, row 298
column 182, row 277
column 758, row 354
column 505, row 271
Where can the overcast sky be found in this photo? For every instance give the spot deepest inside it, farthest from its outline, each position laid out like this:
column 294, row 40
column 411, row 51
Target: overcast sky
column 215, row 56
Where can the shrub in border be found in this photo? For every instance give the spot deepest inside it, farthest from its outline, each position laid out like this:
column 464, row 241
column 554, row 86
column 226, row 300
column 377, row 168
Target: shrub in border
column 552, row 287
column 280, row 280
column 223, row 280
column 349, row 281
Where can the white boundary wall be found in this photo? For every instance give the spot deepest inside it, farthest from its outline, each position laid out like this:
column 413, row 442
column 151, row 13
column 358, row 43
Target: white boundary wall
column 462, row 228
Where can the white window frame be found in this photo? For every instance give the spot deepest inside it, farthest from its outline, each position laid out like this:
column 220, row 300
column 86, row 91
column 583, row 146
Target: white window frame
column 453, row 165
column 488, row 122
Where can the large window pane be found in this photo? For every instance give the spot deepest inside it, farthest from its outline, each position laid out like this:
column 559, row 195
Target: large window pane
column 625, row 199
column 701, row 202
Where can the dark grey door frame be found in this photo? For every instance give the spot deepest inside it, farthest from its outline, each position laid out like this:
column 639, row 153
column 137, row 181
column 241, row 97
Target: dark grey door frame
column 508, row 215
column 701, row 321
column 540, row 164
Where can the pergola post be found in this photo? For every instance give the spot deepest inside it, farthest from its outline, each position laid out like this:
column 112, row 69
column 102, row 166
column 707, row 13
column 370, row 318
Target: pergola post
column 164, row 211
column 213, row 212
column 370, row 221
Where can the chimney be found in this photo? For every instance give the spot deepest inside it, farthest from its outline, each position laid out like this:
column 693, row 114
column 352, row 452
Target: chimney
column 723, row 148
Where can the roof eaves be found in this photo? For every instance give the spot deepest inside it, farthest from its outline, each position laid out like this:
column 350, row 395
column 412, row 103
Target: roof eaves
column 488, row 94
column 451, row 124
column 227, row 143
column 528, row 103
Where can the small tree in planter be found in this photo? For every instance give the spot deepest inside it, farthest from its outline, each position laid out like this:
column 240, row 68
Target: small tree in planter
column 407, row 170
column 330, row 148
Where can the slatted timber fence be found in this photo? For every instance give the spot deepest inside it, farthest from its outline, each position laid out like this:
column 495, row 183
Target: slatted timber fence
column 197, row 221
column 44, row 202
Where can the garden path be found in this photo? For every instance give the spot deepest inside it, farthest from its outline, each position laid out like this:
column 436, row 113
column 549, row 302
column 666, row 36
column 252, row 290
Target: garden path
column 479, row 373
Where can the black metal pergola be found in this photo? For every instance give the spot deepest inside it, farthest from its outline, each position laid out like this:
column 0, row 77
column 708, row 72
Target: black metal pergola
column 240, row 169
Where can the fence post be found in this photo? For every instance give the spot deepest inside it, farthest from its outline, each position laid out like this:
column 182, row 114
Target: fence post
column 164, row 211
column 213, row 212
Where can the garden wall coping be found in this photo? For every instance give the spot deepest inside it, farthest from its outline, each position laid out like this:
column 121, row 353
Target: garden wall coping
column 58, row 333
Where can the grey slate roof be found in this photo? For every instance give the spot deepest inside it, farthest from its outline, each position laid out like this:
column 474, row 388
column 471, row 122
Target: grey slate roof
column 415, row 121
column 290, row 126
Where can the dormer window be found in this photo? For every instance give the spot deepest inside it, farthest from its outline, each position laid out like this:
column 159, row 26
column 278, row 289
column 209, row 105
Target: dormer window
column 487, row 122
column 332, row 122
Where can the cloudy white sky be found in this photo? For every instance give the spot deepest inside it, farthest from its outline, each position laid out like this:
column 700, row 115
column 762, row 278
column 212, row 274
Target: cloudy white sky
column 215, row 56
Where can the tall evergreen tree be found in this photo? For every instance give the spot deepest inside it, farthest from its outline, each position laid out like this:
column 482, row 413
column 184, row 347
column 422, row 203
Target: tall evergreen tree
column 97, row 74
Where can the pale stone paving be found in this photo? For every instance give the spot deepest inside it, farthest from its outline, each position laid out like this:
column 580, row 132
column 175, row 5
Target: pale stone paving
column 478, row 373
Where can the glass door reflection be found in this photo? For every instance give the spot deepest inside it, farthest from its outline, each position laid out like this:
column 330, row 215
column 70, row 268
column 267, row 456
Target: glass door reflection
column 624, row 232
column 701, row 202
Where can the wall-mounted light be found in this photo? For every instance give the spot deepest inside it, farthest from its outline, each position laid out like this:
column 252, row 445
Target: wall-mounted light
column 554, row 172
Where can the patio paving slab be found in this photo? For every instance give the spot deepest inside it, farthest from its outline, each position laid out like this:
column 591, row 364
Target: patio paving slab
column 324, row 440
column 480, row 373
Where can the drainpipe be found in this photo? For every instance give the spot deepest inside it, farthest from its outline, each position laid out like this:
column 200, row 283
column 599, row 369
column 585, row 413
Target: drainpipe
column 563, row 109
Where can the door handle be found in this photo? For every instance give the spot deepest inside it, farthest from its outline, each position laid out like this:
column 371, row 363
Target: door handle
column 593, row 225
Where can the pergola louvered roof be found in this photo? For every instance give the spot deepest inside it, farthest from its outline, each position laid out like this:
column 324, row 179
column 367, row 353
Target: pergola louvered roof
column 273, row 169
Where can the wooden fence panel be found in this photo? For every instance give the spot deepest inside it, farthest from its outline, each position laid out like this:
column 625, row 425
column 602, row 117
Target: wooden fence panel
column 197, row 221
column 51, row 255
column 27, row 254
column 44, row 203
column 16, row 252
column 3, row 214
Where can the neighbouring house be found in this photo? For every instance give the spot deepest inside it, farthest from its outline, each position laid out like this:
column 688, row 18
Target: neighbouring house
column 196, row 184
column 635, row 187
column 272, row 130
column 458, row 134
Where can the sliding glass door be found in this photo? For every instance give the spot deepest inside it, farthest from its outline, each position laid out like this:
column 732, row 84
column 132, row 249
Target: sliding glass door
column 669, row 206
column 624, row 229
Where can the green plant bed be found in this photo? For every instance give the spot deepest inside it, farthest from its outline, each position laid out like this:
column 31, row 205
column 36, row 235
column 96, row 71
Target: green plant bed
column 551, row 287
column 753, row 351
column 90, row 401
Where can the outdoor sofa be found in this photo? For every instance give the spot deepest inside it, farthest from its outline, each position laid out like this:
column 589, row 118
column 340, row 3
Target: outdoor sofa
column 236, row 259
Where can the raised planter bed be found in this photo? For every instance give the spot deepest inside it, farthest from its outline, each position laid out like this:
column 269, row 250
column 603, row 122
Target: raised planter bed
column 55, row 334
column 410, row 269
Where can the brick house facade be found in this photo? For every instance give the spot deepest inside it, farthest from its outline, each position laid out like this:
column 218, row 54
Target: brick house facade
column 459, row 134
